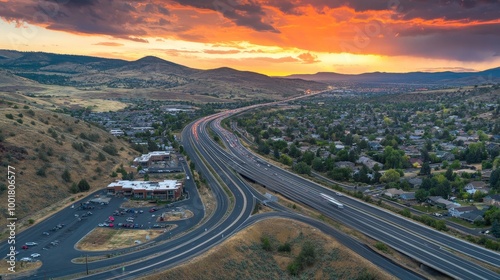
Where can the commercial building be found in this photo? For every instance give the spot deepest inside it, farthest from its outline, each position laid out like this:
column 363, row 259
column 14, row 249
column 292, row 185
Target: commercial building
column 147, row 160
column 167, row 190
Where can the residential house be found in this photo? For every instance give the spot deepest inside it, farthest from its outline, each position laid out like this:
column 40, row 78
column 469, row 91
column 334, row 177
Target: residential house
column 419, row 132
column 493, row 200
column 375, row 146
column 473, row 216
column 486, row 174
column 474, row 186
column 440, row 202
column 407, row 196
column 458, row 211
column 393, row 193
column 443, row 155
column 370, row 163
column 345, row 164
column 415, row 182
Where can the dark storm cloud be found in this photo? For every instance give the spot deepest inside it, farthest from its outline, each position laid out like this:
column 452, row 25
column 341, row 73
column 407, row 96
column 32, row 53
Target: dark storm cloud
column 407, row 9
column 116, row 18
column 475, row 43
column 248, row 13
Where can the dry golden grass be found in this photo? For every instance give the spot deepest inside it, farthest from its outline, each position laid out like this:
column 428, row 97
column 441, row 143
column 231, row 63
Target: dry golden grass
column 241, row 256
column 102, row 239
column 97, row 105
column 206, row 195
column 21, row 267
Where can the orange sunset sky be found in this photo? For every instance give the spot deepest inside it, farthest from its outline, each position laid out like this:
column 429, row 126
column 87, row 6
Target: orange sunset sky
column 273, row 37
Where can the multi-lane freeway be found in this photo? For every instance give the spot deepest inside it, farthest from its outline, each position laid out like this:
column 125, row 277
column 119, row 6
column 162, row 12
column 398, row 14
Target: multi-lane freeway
column 195, row 237
column 235, row 203
column 432, row 248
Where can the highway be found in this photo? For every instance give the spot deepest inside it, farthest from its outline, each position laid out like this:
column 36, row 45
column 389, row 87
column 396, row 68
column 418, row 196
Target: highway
column 240, row 217
column 233, row 213
column 191, row 238
column 424, row 244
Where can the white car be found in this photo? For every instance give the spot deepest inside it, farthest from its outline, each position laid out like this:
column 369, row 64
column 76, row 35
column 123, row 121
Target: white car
column 339, row 194
column 35, row 255
column 26, row 259
column 31, row 243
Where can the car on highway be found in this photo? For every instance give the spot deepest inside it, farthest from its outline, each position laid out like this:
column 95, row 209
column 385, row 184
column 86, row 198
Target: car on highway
column 31, row 243
column 45, row 233
column 35, row 255
column 338, row 194
column 25, row 247
column 26, row 259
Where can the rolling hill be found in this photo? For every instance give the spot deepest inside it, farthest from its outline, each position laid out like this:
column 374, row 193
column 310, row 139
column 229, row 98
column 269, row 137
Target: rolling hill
column 148, row 74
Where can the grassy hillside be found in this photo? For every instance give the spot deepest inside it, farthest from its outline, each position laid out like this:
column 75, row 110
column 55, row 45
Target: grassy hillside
column 42, row 145
column 244, row 256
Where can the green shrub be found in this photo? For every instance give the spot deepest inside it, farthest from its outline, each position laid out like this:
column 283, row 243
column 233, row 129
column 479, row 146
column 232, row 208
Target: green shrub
column 285, row 247
column 266, row 243
column 110, row 149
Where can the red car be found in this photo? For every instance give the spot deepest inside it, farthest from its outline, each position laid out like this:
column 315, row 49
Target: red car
column 25, row 247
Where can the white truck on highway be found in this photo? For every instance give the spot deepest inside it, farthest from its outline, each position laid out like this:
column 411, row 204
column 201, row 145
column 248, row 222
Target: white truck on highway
column 332, row 201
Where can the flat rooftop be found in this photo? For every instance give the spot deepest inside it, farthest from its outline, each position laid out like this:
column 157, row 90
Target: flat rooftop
column 148, row 185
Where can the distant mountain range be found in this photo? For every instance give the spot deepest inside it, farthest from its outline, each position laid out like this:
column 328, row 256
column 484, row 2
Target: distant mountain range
column 157, row 75
column 447, row 77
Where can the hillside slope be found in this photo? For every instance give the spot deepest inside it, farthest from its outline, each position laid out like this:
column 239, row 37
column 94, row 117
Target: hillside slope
column 41, row 145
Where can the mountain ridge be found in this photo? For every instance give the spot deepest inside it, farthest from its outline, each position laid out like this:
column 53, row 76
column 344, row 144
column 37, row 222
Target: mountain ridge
column 485, row 76
column 149, row 72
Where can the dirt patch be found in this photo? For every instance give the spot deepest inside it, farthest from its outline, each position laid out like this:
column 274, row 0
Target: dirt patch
column 102, row 239
column 242, row 256
column 175, row 215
